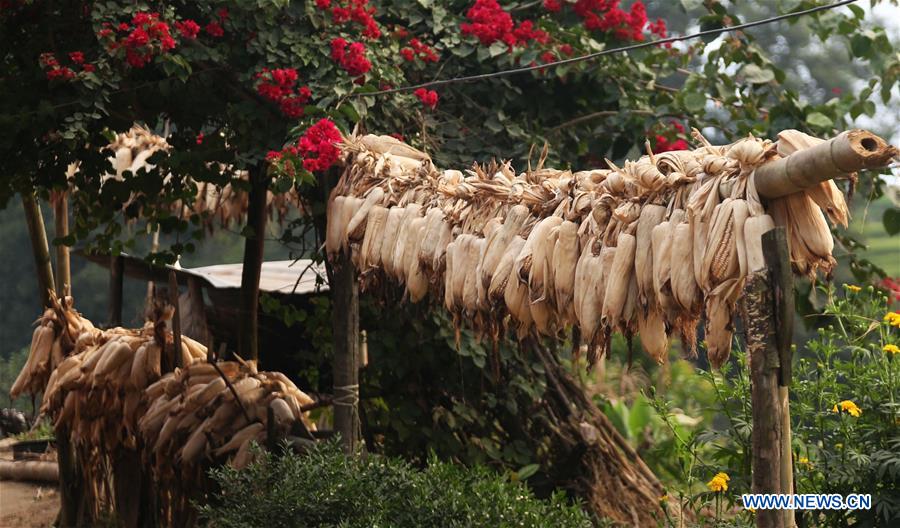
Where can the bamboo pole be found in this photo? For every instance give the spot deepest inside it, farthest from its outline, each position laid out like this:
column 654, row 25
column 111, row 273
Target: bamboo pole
column 63, row 260
column 39, row 247
column 843, row 154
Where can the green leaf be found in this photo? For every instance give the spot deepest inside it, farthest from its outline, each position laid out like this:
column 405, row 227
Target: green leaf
column 527, row 471
column 498, row 48
column 757, row 75
column 891, row 221
column 819, row 120
column 860, row 45
column 694, row 102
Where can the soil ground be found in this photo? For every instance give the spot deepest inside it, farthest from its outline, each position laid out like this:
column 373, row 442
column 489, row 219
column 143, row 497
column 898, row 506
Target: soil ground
column 26, row 504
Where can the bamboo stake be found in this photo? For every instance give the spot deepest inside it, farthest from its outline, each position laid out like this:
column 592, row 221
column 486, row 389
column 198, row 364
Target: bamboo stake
column 39, row 247
column 63, row 260
column 848, row 152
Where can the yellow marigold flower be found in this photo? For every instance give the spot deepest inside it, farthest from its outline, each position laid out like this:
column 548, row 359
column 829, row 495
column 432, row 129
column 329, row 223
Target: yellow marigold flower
column 892, row 349
column 803, row 461
column 849, row 407
column 852, row 287
column 892, row 318
column 719, row 482
column 664, row 498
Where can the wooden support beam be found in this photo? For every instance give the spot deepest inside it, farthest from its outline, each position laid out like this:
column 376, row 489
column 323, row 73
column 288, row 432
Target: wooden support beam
column 345, row 326
column 116, row 280
column 39, row 247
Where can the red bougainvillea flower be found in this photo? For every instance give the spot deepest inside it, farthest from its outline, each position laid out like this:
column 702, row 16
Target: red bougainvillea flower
column 547, row 57
column 77, row 57
column 663, row 144
column 350, row 56
column 566, row 50
column 145, row 37
column 188, row 29
column 418, row 49
column 280, row 86
column 892, row 285
column 491, row 23
column 88, row 68
column 606, row 15
column 318, row 146
column 554, row 6
column 428, row 97
column 358, row 11
column 215, row 29
column 398, row 137
column 199, row 138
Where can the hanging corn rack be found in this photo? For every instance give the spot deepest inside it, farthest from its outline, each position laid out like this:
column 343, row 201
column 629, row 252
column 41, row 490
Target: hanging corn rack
column 650, row 249
column 107, row 388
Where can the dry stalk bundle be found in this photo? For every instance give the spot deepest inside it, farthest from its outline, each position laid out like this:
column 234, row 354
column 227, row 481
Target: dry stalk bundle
column 651, row 248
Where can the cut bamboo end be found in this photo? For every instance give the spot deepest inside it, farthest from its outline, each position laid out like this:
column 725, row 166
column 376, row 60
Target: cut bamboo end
column 838, row 157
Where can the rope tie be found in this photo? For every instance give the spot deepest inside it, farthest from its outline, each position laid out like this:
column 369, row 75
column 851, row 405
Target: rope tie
column 346, row 395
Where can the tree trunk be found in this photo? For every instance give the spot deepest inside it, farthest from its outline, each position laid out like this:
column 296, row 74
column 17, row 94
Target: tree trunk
column 63, row 261
column 345, row 325
column 39, row 247
column 248, row 326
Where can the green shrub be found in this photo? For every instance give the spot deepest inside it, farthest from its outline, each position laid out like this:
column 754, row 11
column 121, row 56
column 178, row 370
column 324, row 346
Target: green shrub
column 324, row 488
column 845, row 421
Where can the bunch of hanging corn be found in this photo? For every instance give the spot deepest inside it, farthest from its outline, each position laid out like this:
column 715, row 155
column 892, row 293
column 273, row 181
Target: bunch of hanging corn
column 131, row 152
column 193, row 414
column 651, row 248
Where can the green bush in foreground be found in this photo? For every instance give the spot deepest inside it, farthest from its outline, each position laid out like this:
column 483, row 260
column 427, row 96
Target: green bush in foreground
column 325, row 488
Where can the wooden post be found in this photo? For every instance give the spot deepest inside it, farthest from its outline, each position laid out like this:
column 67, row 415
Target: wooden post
column 39, row 248
column 71, row 493
column 116, row 279
column 759, row 322
column 63, row 261
column 345, row 325
column 778, row 260
column 248, row 322
column 176, row 321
